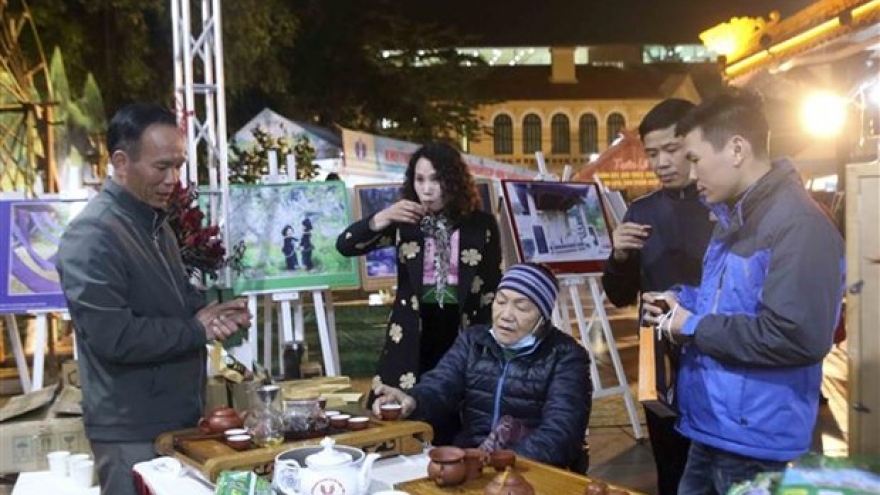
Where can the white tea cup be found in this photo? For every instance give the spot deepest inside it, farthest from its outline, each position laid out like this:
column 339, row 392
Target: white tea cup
column 74, row 458
column 58, row 462
column 82, row 472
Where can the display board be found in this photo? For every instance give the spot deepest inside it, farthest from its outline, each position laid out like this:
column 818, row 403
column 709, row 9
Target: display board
column 289, row 232
column 30, row 231
column 561, row 224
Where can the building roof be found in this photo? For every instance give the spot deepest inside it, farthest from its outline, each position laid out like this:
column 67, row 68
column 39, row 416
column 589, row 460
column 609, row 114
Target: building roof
column 532, row 83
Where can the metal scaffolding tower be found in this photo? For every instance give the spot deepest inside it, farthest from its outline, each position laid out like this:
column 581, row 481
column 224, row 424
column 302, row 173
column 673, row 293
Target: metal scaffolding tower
column 200, row 94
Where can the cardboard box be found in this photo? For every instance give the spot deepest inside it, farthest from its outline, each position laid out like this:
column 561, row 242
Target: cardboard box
column 29, row 430
column 69, row 373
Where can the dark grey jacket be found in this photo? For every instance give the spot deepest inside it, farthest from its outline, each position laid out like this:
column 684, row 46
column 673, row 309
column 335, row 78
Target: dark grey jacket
column 141, row 349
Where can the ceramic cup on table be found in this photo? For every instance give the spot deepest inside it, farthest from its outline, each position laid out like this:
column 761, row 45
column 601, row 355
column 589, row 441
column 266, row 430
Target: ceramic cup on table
column 58, row 462
column 239, row 442
column 358, row 422
column 235, row 431
column 474, row 460
column 340, row 420
column 82, row 473
column 74, row 458
column 502, row 459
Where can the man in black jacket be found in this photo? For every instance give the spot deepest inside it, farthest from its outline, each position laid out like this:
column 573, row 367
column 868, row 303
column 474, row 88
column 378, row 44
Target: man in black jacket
column 520, row 384
column 661, row 243
column 141, row 328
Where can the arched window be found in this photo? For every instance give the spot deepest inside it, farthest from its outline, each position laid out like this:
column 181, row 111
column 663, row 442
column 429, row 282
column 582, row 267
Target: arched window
column 502, row 134
column 615, row 124
column 531, row 133
column 559, row 135
column 588, row 134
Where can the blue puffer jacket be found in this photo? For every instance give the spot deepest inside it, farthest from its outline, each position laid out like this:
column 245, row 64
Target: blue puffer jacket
column 763, row 320
column 547, row 387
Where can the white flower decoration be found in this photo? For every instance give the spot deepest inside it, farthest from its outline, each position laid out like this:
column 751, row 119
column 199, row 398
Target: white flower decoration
column 476, row 285
column 471, row 257
column 409, row 250
column 415, row 303
column 488, row 236
column 377, row 382
column 395, row 332
column 348, row 235
column 465, row 321
column 487, row 299
column 385, row 241
column 407, row 380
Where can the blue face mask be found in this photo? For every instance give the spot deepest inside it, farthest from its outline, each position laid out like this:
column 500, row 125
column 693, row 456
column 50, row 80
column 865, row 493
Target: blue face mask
column 528, row 340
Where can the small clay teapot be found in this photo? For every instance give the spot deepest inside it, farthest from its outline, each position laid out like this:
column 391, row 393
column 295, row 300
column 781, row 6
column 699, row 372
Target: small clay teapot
column 220, row 420
column 447, row 466
column 509, row 483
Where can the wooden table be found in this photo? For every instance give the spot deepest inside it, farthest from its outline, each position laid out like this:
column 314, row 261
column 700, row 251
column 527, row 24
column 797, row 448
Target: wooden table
column 211, row 455
column 545, row 479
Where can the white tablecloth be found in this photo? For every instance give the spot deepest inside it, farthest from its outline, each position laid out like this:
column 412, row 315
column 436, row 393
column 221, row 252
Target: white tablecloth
column 45, row 483
column 163, row 477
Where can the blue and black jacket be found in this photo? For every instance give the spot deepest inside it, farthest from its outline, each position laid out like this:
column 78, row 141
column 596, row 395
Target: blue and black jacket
column 547, row 387
column 763, row 320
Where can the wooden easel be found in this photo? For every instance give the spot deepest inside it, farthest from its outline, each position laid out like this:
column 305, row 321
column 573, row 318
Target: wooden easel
column 591, row 280
column 292, row 325
column 41, row 337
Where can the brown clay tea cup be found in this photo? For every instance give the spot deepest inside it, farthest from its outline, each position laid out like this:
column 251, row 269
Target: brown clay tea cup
column 474, row 460
column 447, row 466
column 390, row 412
column 358, row 422
column 502, row 459
column 239, row 442
column 340, row 420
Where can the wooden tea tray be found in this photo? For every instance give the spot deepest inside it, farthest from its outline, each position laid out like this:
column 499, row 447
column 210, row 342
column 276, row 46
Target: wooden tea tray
column 545, row 479
column 210, row 454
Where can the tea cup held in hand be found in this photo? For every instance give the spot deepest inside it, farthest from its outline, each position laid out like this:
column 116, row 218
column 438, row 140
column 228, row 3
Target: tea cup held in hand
column 390, row 412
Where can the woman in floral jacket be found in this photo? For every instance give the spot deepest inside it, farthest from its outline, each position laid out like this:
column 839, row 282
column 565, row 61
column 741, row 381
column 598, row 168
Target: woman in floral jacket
column 448, row 262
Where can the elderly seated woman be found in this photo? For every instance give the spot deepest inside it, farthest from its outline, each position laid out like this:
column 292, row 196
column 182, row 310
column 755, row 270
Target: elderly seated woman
column 520, row 384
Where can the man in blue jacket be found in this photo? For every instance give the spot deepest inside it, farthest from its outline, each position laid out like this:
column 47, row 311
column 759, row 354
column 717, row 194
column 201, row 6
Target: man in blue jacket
column 755, row 331
column 660, row 244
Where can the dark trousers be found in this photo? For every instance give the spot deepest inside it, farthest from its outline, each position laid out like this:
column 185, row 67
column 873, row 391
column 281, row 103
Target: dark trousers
column 439, row 331
column 114, row 462
column 712, row 471
column 670, row 449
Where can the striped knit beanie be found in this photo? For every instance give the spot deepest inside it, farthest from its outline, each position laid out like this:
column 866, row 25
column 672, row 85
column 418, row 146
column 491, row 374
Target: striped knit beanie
column 533, row 283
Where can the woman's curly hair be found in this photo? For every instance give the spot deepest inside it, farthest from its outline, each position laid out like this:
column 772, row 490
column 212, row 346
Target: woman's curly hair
column 455, row 179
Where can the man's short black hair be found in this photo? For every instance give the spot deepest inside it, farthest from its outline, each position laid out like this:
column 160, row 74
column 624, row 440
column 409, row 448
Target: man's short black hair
column 129, row 123
column 665, row 114
column 731, row 113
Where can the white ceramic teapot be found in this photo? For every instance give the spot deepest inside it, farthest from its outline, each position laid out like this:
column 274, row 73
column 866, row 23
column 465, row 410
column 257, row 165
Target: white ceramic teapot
column 325, row 470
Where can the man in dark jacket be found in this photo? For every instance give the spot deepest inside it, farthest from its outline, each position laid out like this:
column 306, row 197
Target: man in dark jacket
column 520, row 373
column 659, row 244
column 141, row 328
column 755, row 331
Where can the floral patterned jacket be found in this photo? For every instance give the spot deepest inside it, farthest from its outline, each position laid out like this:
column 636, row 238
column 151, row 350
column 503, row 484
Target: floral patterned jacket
column 478, row 277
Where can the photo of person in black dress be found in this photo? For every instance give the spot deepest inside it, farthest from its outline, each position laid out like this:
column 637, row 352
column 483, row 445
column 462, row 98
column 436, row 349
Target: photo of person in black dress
column 289, row 248
column 305, row 244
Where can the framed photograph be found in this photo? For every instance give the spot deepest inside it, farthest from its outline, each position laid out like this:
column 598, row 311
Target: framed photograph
column 561, row 224
column 289, row 232
column 378, row 267
column 30, row 231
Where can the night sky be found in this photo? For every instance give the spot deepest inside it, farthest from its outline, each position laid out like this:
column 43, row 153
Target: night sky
column 584, row 22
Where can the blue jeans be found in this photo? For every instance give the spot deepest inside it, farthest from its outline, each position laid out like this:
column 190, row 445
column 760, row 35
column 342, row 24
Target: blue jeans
column 710, row 471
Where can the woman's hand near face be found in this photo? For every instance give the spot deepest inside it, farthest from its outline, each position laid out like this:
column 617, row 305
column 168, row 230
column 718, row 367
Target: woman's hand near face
column 403, row 211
